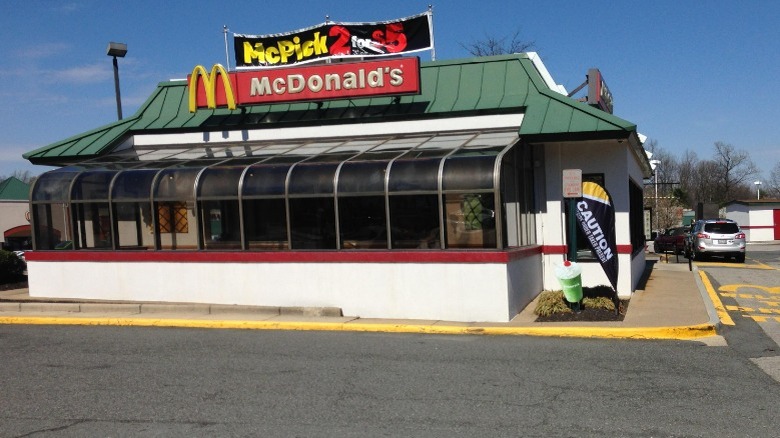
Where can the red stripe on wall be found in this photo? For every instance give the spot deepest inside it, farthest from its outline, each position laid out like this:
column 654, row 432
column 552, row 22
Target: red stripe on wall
column 561, row 249
column 286, row 256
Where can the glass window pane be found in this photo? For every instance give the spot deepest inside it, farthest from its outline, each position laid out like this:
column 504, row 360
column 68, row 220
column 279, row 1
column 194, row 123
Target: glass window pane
column 265, row 223
column 51, row 225
column 92, row 225
column 414, row 221
column 312, row 178
column 219, row 182
column 92, row 185
column 470, row 220
column 313, row 223
column 134, row 228
column 362, row 222
column 362, row 177
column 178, row 183
column 265, row 180
column 468, row 172
column 176, row 224
column 133, row 185
column 414, row 175
column 221, row 227
column 54, row 185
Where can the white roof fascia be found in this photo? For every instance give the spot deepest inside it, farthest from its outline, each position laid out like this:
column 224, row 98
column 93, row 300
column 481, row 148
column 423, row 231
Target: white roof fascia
column 545, row 74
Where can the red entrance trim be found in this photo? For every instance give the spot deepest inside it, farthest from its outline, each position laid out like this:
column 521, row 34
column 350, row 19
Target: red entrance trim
column 448, row 256
column 753, row 227
column 20, row 231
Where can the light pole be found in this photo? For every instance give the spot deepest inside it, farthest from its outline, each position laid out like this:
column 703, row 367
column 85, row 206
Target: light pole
column 655, row 164
column 758, row 190
column 120, row 50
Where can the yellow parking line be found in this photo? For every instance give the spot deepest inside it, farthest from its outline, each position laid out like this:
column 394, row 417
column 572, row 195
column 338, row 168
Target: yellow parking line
column 753, row 265
column 723, row 314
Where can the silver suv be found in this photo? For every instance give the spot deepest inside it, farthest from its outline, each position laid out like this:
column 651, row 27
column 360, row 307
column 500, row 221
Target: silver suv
column 721, row 237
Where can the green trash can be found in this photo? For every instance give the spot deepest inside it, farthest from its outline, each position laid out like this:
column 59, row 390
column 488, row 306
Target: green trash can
column 570, row 277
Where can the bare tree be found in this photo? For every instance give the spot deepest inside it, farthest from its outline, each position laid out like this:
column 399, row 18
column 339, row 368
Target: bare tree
column 492, row 45
column 24, row 176
column 734, row 169
column 772, row 188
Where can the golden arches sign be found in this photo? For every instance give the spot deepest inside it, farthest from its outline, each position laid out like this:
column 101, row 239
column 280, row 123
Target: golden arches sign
column 210, row 87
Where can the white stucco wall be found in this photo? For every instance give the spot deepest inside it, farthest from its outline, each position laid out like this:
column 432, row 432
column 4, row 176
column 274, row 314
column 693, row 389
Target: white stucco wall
column 12, row 214
column 493, row 292
column 618, row 164
column 755, row 219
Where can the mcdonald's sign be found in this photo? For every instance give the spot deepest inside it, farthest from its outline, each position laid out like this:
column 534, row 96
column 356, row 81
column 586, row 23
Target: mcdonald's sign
column 211, row 94
column 220, row 88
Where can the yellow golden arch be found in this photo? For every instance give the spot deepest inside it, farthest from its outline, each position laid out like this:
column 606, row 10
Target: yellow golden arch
column 210, row 86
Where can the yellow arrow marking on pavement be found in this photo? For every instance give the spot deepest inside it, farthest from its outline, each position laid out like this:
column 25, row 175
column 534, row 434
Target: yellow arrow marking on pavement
column 735, row 287
column 767, row 300
column 750, row 309
column 722, row 313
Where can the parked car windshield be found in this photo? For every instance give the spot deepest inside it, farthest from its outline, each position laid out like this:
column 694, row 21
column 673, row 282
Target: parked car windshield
column 721, row 228
column 675, row 231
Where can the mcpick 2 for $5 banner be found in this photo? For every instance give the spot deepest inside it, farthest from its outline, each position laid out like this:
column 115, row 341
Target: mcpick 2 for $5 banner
column 329, row 40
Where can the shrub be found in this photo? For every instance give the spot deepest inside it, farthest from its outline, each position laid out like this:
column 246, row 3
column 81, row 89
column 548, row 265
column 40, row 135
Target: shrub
column 11, row 267
column 550, row 303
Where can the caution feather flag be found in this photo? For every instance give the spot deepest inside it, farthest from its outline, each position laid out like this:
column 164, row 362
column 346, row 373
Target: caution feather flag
column 596, row 217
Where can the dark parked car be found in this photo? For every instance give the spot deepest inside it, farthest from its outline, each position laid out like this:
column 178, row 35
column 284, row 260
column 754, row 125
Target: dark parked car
column 673, row 240
column 720, row 237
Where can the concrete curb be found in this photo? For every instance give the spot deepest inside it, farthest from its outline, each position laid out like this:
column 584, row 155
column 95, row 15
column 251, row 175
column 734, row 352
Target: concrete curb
column 167, row 308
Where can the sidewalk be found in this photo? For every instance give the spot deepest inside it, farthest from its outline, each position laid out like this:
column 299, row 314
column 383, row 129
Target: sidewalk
column 671, row 303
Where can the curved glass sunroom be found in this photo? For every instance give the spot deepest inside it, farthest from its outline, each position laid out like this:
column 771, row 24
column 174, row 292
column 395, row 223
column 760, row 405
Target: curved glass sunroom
column 419, row 191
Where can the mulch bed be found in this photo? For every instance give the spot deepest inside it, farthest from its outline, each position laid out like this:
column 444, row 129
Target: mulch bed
column 586, row 314
column 13, row 285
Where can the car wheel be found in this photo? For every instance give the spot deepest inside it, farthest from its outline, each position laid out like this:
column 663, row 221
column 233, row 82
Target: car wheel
column 740, row 258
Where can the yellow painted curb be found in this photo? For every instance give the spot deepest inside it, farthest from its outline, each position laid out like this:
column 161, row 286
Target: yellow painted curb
column 683, row 333
column 720, row 309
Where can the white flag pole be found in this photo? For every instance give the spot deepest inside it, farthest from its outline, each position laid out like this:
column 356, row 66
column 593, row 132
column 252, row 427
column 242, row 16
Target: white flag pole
column 227, row 56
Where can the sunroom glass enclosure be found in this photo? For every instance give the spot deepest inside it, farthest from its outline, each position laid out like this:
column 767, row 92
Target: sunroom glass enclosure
column 425, row 191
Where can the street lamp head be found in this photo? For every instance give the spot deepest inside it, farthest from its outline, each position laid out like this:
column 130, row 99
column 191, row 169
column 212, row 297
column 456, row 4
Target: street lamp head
column 117, row 49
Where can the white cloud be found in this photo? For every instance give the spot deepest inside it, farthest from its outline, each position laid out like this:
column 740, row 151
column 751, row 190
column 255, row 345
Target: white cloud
column 85, row 74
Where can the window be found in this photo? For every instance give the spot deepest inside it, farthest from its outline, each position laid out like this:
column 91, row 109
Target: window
column 414, row 221
column 265, row 224
column 221, row 225
column 362, row 222
column 470, row 220
column 312, row 223
column 134, row 225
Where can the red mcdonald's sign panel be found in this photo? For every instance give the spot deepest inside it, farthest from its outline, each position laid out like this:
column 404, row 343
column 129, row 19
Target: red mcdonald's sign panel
column 218, row 88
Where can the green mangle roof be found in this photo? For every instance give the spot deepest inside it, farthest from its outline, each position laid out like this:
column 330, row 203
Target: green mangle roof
column 475, row 86
column 14, row 189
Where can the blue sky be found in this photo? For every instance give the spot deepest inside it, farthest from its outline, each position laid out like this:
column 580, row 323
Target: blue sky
column 688, row 73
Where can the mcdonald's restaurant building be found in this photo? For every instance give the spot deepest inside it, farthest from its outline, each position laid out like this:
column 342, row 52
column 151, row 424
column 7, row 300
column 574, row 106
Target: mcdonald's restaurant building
column 438, row 201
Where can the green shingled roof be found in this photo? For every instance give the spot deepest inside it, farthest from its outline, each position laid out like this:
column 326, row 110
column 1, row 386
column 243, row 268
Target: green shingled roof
column 475, row 86
column 14, row 189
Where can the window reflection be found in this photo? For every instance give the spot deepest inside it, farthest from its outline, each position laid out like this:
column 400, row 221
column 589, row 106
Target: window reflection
column 362, row 223
column 414, row 221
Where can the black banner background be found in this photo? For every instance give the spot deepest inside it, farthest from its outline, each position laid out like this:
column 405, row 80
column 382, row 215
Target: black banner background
column 334, row 40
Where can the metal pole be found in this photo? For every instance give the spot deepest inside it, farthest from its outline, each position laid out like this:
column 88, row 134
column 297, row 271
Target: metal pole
column 116, row 89
column 572, row 256
column 656, row 165
column 227, row 56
